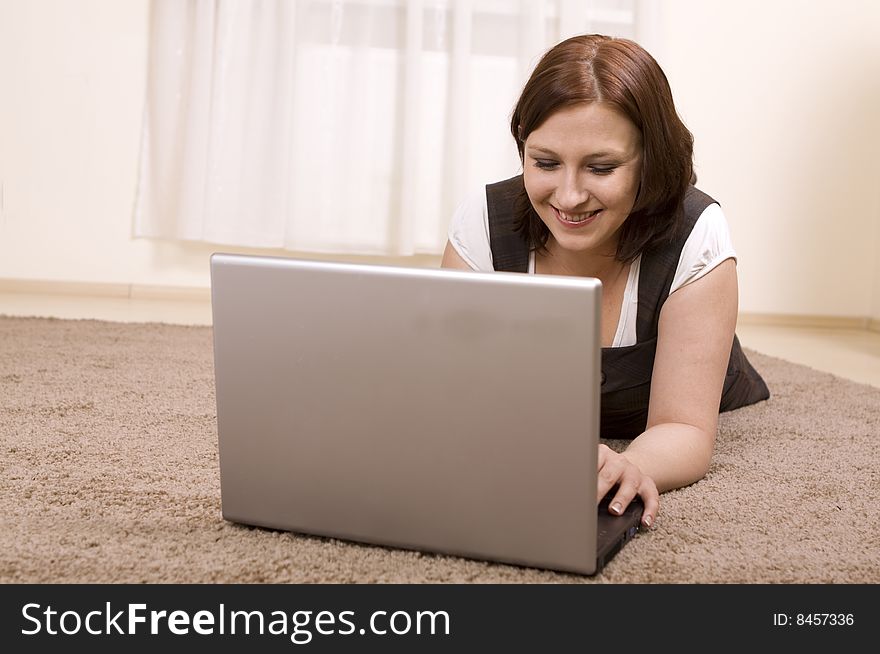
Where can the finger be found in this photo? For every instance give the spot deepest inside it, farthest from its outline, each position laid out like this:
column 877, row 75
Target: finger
column 651, row 500
column 608, row 476
column 603, row 454
column 624, row 495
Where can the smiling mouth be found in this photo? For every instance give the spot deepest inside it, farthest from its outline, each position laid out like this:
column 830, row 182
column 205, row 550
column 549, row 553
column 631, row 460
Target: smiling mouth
column 575, row 218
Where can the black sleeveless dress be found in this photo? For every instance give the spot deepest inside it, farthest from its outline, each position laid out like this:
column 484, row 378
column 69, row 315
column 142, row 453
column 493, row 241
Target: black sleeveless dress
column 626, row 371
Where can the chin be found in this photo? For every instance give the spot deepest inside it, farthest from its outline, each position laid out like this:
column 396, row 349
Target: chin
column 575, row 244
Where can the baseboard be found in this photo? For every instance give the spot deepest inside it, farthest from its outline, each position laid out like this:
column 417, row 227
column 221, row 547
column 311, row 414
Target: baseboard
column 197, row 294
column 796, row 320
column 183, row 293
column 106, row 290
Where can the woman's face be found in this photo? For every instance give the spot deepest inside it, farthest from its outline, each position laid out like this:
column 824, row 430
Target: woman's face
column 581, row 171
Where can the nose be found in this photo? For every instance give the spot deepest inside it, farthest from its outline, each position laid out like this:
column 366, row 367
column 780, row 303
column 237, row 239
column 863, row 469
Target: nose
column 572, row 192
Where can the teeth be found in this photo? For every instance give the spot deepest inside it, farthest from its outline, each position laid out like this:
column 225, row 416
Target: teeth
column 578, row 217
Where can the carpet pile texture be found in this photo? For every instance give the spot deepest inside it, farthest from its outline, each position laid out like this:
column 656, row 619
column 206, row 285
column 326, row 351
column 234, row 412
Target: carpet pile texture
column 109, row 474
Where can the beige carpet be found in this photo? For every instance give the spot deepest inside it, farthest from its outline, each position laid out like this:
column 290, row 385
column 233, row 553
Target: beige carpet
column 108, row 473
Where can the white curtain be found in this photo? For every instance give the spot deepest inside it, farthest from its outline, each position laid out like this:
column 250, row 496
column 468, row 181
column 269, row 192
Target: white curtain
column 345, row 126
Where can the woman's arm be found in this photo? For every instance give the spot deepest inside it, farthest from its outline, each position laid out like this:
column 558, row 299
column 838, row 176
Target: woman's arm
column 696, row 330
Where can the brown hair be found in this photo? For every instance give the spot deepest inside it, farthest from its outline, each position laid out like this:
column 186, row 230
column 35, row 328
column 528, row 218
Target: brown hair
column 619, row 73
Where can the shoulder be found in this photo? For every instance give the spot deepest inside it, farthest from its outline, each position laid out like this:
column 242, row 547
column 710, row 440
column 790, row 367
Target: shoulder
column 708, row 245
column 695, row 200
column 694, row 203
column 473, row 205
column 509, row 186
column 469, row 231
column 711, row 220
column 705, row 218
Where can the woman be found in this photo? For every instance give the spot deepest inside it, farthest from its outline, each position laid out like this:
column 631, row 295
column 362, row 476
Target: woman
column 606, row 192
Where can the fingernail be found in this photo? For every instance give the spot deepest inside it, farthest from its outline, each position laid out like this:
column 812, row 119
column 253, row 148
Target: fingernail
column 617, row 508
column 649, row 521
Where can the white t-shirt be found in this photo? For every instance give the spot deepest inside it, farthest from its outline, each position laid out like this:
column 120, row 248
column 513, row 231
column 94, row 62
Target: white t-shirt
column 707, row 246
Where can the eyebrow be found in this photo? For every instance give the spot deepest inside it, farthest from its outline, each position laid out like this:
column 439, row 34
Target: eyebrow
column 594, row 155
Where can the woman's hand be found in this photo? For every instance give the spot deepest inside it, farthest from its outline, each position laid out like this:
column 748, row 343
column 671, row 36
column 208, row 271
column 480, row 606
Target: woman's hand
column 615, row 468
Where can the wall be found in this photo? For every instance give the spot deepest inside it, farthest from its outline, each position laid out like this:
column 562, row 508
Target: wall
column 874, row 313
column 782, row 97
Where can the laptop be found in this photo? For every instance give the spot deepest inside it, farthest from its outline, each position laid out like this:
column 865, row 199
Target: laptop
column 438, row 410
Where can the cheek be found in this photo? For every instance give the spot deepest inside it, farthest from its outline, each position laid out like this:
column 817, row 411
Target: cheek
column 635, row 181
column 621, row 194
column 537, row 185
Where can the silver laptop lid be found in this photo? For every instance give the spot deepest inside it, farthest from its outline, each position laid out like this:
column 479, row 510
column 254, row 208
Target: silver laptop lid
column 440, row 410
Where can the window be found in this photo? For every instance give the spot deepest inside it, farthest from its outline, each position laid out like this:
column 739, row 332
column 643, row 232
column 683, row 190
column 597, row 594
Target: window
column 346, row 126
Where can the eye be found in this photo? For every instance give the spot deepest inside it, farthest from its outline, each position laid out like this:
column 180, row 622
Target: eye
column 546, row 164
column 602, row 170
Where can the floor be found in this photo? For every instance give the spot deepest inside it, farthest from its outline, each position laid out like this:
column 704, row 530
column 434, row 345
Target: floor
column 850, row 353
